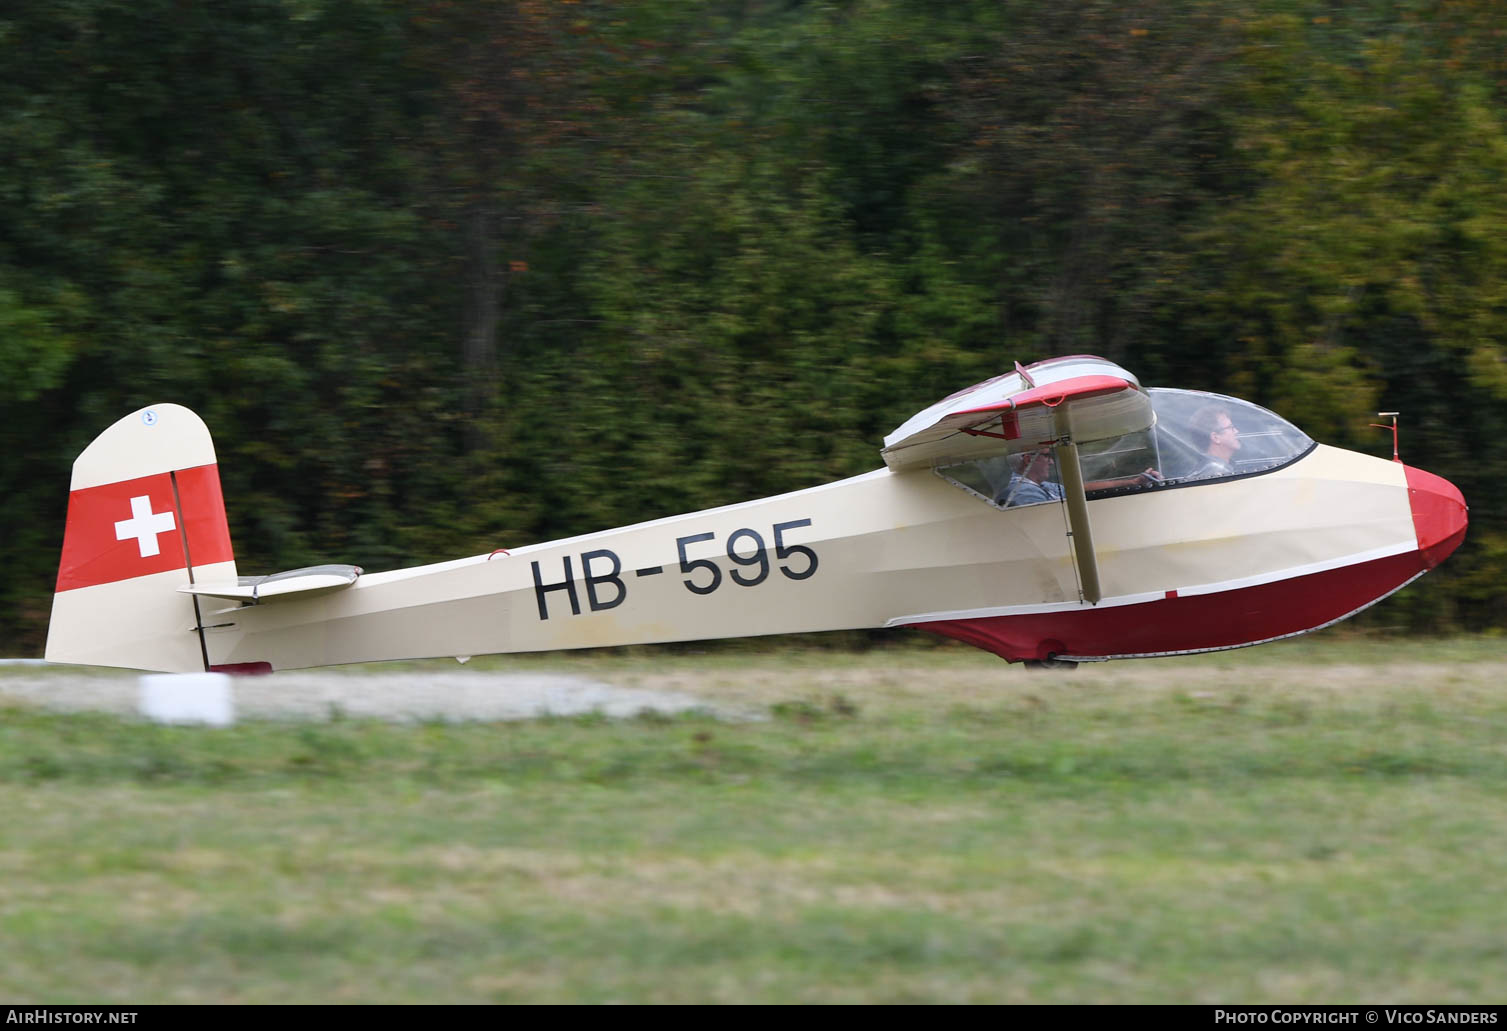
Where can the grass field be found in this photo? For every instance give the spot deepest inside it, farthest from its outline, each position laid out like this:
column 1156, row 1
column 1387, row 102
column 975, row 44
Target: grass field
column 1318, row 821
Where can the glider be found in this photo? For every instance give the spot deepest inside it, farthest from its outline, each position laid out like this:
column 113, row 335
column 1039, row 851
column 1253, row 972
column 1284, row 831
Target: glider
column 1058, row 513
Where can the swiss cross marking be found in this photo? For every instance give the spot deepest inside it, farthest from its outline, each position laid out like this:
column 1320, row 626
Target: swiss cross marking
column 144, row 525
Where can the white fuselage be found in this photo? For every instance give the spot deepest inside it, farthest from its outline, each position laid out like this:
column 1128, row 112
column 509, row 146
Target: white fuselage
column 882, row 549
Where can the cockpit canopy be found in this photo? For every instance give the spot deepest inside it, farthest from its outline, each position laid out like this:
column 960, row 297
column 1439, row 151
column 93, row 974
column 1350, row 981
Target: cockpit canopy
column 1195, row 438
column 1190, row 425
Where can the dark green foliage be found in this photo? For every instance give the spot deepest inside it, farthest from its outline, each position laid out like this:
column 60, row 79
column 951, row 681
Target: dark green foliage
column 449, row 277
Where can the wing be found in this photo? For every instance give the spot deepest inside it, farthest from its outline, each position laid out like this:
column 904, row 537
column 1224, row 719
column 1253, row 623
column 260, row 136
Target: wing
column 1082, row 397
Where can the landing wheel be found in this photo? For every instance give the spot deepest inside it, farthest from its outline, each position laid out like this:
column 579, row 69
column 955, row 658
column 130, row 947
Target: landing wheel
column 1053, row 663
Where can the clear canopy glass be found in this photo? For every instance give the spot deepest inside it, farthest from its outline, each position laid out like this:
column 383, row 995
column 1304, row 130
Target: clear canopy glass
column 1197, row 437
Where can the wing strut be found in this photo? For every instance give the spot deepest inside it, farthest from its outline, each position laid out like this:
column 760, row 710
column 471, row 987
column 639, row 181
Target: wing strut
column 1077, row 511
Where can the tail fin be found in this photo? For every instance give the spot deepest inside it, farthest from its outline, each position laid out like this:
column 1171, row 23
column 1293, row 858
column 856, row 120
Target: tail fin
column 145, row 517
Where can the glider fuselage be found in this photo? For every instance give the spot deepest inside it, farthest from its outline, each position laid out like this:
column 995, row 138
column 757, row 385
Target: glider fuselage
column 886, row 549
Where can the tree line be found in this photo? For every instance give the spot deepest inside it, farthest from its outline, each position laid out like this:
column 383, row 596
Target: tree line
column 447, row 276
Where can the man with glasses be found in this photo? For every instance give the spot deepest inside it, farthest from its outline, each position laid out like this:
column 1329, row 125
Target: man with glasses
column 1219, row 438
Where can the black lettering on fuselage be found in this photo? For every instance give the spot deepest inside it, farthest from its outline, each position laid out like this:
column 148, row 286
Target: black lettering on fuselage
column 748, row 565
column 612, row 578
column 568, row 585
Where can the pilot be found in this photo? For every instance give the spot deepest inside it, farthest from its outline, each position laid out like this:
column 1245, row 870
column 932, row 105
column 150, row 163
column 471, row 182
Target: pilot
column 1219, row 439
column 1032, row 484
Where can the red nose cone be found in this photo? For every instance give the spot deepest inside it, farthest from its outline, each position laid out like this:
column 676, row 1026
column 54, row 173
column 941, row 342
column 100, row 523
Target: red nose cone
column 1438, row 515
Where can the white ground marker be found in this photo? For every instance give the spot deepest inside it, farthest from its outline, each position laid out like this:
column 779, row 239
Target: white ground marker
column 204, row 698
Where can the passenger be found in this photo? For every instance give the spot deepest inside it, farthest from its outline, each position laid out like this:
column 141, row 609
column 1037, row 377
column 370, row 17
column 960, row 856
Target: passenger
column 1218, row 438
column 1032, row 483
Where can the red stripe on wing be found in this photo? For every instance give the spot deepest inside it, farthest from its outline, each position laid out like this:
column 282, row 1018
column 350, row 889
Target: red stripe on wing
column 1053, row 394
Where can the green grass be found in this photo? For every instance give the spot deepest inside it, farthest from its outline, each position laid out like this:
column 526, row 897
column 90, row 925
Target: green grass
column 1324, row 821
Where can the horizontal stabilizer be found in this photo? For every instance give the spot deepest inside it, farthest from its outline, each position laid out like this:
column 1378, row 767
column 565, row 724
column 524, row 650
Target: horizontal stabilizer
column 293, row 583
